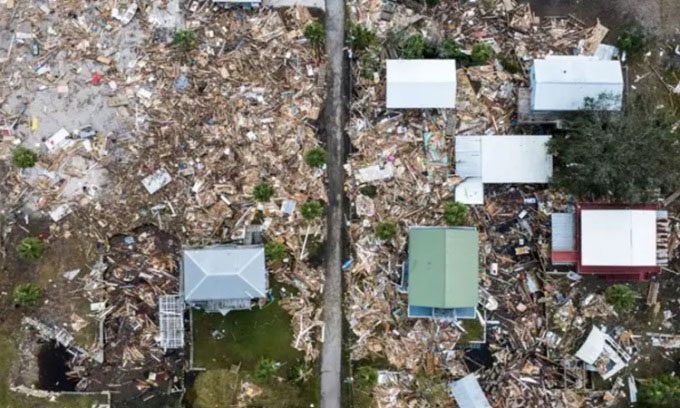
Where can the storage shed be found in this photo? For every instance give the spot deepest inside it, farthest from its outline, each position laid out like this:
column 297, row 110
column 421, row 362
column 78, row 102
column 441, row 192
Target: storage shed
column 562, row 83
column 500, row 159
column 421, row 84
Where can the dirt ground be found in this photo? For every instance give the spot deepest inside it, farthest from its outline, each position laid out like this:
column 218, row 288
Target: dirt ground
column 660, row 16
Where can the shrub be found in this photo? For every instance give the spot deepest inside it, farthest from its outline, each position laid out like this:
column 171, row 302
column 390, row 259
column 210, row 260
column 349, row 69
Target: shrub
column 27, row 294
column 311, row 210
column 511, row 64
column 631, row 41
column 315, row 157
column 370, row 191
column 303, row 373
column 362, row 38
column 315, row 34
column 449, row 48
column 481, row 53
column 661, row 392
column 31, row 248
column 275, row 251
column 23, row 157
column 370, row 63
column 455, row 213
column 263, row 192
column 386, row 230
column 621, row 297
column 266, row 368
column 185, row 40
column 431, row 3
column 416, row 47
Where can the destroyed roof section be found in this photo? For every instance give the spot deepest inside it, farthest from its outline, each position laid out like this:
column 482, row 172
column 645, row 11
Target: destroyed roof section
column 421, row 84
column 618, row 237
column 563, row 84
column 468, row 393
column 224, row 272
column 443, row 267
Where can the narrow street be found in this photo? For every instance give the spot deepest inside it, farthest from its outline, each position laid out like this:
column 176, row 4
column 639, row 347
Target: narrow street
column 331, row 351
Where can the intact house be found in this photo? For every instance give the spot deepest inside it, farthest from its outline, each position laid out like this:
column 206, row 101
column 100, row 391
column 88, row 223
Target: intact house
column 507, row 159
column 421, row 84
column 560, row 84
column 614, row 241
column 441, row 276
column 222, row 278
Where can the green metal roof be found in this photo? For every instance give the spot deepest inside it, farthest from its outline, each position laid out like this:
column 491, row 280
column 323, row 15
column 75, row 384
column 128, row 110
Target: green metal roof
column 443, row 267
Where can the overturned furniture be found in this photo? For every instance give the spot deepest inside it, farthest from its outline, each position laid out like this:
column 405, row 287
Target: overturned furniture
column 442, row 274
column 613, row 241
column 500, row 159
column 421, row 84
column 223, row 277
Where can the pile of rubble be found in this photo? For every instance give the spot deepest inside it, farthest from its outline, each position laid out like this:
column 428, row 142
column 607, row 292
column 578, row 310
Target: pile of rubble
column 400, row 170
column 133, row 129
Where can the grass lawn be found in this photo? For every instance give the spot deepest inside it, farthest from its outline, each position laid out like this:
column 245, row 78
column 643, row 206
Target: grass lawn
column 245, row 339
column 9, row 399
column 475, row 331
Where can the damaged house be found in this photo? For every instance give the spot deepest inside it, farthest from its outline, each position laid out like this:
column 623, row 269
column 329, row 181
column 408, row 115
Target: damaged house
column 224, row 277
column 442, row 273
column 613, row 241
column 507, row 159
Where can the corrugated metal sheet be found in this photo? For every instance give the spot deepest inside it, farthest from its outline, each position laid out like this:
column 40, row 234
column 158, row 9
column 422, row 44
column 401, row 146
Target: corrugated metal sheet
column 563, row 232
column 468, row 393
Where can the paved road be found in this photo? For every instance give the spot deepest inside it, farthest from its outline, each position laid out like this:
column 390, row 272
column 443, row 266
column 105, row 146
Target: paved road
column 331, row 350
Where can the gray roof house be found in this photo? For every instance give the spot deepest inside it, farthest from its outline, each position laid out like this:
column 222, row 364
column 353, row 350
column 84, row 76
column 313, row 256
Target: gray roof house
column 223, row 277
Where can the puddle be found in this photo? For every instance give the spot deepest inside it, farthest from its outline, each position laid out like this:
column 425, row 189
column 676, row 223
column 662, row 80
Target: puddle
column 53, row 366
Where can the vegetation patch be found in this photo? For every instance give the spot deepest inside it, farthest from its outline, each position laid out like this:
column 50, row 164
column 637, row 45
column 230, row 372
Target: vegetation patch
column 24, row 158
column 621, row 297
column 455, row 213
column 315, row 157
column 314, row 33
column 386, row 230
column 263, row 192
column 31, row 248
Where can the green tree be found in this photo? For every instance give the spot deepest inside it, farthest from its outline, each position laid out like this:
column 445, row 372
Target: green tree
column 312, row 209
column 481, row 53
column 315, row 157
column 275, row 251
column 23, row 157
column 31, row 248
column 27, row 294
column 632, row 40
column 315, row 34
column 362, row 37
column 416, row 47
column 449, row 48
column 263, row 192
column 455, row 213
column 621, row 297
column 627, row 156
column 660, row 392
column 185, row 40
column 386, row 230
column 266, row 368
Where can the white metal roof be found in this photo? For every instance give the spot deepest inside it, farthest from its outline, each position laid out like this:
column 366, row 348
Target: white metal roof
column 224, row 273
column 468, row 393
column 618, row 237
column 421, row 84
column 561, row 83
column 504, row 159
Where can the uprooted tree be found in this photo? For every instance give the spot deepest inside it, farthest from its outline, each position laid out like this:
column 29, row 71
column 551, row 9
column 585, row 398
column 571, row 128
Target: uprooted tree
column 629, row 156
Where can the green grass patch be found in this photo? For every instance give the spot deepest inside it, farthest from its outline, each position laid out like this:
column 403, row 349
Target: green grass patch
column 246, row 339
column 475, row 331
